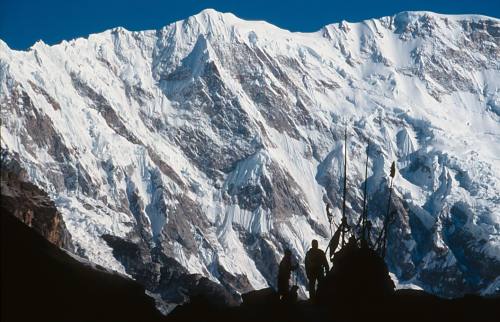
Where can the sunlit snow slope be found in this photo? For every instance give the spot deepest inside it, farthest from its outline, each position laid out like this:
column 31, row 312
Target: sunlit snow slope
column 216, row 141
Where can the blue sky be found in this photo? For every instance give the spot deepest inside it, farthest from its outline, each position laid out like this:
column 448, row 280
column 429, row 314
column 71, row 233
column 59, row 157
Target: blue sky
column 23, row 22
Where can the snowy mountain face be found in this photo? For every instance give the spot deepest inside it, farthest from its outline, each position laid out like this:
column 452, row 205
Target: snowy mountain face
column 216, row 142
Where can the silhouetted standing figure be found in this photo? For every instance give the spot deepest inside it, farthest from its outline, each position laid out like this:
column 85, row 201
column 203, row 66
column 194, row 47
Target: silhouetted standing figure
column 284, row 273
column 316, row 267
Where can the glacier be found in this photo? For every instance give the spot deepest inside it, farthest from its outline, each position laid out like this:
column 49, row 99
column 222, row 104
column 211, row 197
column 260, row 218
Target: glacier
column 216, row 141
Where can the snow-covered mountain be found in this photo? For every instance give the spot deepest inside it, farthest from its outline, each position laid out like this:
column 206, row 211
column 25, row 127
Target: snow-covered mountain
column 216, row 142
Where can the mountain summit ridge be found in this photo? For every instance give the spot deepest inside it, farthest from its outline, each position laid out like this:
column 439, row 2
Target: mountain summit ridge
column 211, row 14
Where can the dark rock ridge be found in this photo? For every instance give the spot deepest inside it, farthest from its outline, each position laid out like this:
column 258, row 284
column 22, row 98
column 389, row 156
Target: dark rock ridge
column 41, row 282
column 165, row 277
column 357, row 288
column 31, row 205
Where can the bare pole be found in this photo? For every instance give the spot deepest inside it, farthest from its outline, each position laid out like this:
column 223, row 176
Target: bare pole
column 388, row 219
column 365, row 210
column 382, row 238
column 345, row 172
column 344, row 219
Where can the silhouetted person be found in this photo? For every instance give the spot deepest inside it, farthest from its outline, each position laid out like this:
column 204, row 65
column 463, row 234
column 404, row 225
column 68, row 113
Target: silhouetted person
column 284, row 273
column 316, row 267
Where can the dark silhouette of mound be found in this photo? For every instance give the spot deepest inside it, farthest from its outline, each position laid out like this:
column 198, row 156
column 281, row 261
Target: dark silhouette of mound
column 41, row 282
column 358, row 275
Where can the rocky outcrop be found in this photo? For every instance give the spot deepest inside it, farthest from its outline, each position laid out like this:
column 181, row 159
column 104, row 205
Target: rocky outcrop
column 41, row 282
column 165, row 277
column 31, row 205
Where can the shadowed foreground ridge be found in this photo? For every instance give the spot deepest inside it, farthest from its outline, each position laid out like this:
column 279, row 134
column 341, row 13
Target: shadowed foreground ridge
column 41, row 282
column 357, row 288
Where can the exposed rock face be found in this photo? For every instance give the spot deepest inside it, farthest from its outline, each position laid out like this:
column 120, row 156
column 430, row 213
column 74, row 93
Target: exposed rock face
column 215, row 141
column 168, row 279
column 31, row 205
